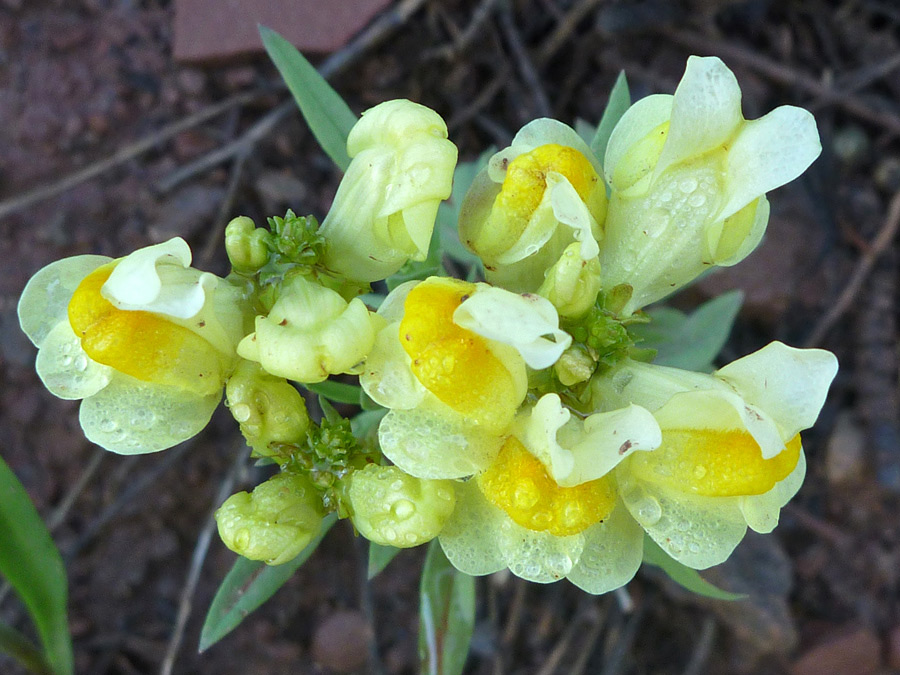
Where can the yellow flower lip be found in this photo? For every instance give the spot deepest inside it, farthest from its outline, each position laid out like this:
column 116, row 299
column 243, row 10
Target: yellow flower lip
column 518, row 483
column 526, row 179
column 715, row 463
column 141, row 344
column 456, row 365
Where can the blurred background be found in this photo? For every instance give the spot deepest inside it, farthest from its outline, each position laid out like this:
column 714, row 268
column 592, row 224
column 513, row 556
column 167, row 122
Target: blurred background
column 126, row 122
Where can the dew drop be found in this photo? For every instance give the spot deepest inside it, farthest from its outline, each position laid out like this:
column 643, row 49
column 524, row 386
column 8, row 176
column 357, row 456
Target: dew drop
column 81, row 363
column 403, row 509
column 241, row 412
column 697, row 200
column 242, row 539
column 699, row 471
column 688, row 185
column 526, row 494
column 648, row 511
column 107, row 425
column 66, row 361
column 390, row 534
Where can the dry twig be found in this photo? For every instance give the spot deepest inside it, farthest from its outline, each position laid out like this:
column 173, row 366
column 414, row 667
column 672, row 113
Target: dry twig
column 885, row 236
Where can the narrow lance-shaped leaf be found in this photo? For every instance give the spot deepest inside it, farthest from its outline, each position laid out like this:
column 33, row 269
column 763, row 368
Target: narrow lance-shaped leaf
column 691, row 342
column 31, row 563
column 446, row 615
column 248, row 585
column 339, row 392
column 329, row 117
column 684, row 576
column 16, row 645
column 619, row 102
column 379, row 558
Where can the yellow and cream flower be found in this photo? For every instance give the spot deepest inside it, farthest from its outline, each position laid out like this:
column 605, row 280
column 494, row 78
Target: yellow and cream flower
column 451, row 367
column 534, row 199
column 146, row 341
column 547, row 507
column 688, row 177
column 730, row 456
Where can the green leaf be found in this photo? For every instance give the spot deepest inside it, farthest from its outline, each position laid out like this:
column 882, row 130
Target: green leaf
column 446, row 615
column 326, row 113
column 248, row 585
column 585, row 130
column 363, row 423
column 31, row 563
column 16, row 645
column 684, row 576
column 690, row 342
column 619, row 102
column 339, row 392
column 379, row 558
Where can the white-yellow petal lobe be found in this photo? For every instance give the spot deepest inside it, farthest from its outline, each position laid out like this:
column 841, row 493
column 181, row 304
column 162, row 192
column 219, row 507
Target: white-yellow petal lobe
column 469, row 537
column 768, row 153
column 131, row 417
column 762, row 511
column 612, row 553
column 789, row 384
column 64, row 367
column 521, row 321
column 45, row 300
column 706, row 111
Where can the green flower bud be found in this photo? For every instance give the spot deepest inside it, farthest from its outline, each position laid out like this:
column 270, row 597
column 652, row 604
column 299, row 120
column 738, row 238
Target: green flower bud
column 572, row 283
column 392, row 508
column 574, row 366
column 274, row 522
column 267, row 408
column 246, row 245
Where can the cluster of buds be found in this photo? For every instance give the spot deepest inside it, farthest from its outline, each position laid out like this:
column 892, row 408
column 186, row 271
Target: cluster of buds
column 522, row 424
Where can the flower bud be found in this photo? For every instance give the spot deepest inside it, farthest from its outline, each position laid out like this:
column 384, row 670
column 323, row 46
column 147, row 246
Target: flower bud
column 274, row 522
column 267, row 408
column 385, row 207
column 311, row 332
column 392, row 508
column 246, row 245
column 572, row 284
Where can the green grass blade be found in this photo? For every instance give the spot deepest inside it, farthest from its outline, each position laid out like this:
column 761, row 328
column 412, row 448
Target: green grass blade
column 328, row 116
column 379, row 558
column 248, row 585
column 31, row 563
column 682, row 575
column 619, row 102
column 446, row 615
column 19, row 647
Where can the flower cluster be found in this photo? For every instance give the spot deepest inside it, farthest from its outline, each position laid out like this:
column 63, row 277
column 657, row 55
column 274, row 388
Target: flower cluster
column 518, row 422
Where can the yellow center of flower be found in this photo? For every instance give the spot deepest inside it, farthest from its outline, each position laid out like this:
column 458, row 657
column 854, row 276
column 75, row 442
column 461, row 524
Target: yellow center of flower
column 715, row 463
column 453, row 363
column 526, row 179
column 141, row 344
column 518, row 483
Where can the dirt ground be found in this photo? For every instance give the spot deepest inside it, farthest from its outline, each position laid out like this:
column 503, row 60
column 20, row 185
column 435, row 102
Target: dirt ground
column 85, row 80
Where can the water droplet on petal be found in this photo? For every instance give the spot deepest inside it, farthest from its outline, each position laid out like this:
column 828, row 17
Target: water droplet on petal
column 403, row 509
column 648, row 511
